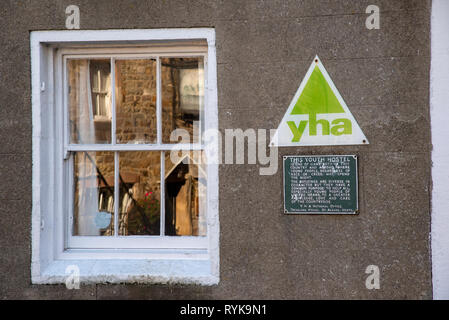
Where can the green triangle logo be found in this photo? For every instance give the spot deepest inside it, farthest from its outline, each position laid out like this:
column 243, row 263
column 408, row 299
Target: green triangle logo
column 318, row 115
column 317, row 97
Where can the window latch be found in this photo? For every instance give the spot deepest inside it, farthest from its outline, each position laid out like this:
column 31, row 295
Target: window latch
column 66, row 154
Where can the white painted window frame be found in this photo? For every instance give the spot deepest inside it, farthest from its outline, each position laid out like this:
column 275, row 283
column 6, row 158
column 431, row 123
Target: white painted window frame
column 144, row 259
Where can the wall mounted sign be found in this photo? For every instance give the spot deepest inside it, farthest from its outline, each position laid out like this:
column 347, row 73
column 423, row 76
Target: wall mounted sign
column 320, row 184
column 318, row 115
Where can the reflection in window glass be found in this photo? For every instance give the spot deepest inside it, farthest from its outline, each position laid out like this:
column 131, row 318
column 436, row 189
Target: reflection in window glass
column 185, row 195
column 136, row 101
column 94, row 194
column 182, row 95
column 140, row 175
column 89, row 101
column 139, row 172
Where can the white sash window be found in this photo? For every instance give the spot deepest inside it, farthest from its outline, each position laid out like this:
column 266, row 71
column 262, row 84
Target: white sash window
column 113, row 189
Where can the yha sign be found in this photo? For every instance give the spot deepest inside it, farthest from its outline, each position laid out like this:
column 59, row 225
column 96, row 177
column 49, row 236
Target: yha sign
column 318, row 115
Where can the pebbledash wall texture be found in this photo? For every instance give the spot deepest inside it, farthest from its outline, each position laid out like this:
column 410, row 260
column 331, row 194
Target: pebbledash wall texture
column 264, row 49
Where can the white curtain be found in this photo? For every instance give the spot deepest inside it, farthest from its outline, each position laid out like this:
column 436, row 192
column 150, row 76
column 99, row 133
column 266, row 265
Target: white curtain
column 88, row 184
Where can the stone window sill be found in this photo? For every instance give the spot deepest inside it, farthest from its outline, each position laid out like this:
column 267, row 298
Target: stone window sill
column 131, row 271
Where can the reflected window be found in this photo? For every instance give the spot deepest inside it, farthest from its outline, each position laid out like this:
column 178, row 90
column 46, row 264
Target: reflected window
column 89, row 101
column 100, row 78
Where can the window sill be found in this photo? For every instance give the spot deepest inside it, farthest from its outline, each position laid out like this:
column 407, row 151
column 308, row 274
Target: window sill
column 131, row 271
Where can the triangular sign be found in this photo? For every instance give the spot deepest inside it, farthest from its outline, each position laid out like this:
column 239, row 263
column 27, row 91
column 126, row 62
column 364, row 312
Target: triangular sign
column 318, row 115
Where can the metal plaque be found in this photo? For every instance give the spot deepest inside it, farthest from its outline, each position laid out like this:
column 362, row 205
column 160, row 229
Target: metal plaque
column 321, row 184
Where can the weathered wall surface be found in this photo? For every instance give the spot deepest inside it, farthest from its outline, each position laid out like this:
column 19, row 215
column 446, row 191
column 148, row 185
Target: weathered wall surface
column 263, row 50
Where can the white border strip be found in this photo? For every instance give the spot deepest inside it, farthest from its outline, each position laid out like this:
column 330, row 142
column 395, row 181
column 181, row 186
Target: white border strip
column 439, row 111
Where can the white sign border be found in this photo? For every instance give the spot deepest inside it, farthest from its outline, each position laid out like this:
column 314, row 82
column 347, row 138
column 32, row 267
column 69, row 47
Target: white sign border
column 316, row 62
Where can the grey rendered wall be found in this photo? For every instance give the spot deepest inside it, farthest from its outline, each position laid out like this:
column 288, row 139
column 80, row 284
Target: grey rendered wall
column 263, row 49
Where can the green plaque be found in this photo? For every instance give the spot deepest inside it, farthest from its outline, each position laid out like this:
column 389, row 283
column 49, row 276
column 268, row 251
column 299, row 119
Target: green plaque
column 321, row 184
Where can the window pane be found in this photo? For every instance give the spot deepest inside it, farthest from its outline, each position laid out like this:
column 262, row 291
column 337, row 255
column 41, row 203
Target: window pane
column 94, row 194
column 185, row 195
column 89, row 101
column 136, row 101
column 182, row 95
column 140, row 176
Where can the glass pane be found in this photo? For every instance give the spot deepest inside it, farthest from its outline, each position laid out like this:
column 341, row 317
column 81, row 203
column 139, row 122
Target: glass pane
column 94, row 194
column 89, row 101
column 136, row 101
column 182, row 95
column 185, row 194
column 140, row 176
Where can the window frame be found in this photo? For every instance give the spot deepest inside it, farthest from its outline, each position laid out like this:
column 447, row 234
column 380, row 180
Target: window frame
column 50, row 251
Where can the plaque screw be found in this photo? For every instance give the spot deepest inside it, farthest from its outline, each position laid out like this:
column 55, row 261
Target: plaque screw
column 364, row 141
column 316, row 60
